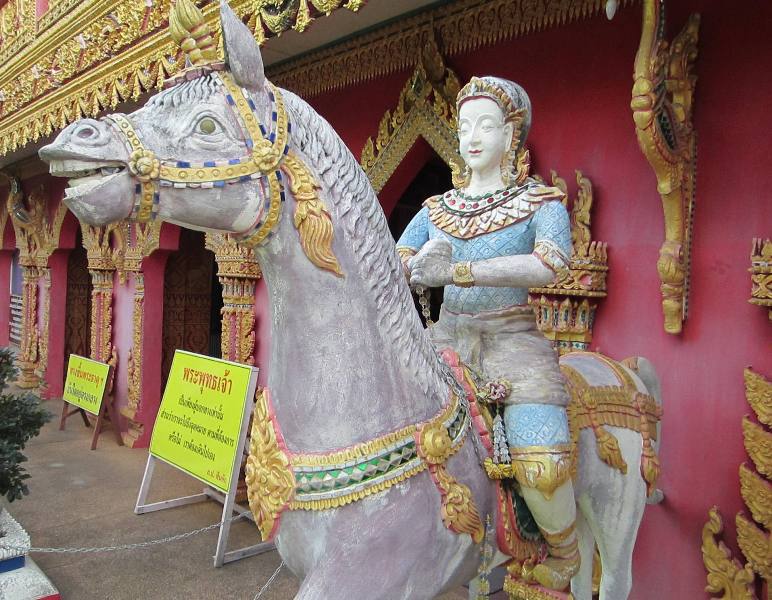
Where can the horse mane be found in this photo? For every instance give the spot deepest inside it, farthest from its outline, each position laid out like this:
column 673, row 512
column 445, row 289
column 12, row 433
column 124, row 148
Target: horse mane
column 198, row 89
column 364, row 224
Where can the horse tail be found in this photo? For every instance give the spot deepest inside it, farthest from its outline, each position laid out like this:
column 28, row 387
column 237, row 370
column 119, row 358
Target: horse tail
column 646, row 372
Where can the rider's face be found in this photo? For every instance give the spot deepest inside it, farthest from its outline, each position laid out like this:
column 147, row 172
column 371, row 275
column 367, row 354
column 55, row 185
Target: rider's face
column 483, row 137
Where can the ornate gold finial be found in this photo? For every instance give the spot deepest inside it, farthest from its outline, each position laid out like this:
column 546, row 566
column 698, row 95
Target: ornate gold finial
column 190, row 31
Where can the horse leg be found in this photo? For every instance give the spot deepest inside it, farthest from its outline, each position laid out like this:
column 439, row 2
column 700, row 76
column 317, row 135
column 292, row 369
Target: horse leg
column 581, row 584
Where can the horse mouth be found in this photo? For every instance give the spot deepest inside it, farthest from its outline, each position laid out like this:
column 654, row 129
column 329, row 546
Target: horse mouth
column 86, row 176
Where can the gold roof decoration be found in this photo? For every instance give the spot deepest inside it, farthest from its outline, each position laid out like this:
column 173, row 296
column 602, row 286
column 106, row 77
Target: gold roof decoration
column 84, row 57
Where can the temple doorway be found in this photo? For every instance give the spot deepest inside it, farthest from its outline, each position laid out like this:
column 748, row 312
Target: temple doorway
column 434, row 178
column 192, row 301
column 77, row 327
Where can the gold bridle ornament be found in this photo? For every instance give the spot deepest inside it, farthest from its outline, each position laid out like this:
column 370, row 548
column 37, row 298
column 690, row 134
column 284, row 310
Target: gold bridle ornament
column 268, row 152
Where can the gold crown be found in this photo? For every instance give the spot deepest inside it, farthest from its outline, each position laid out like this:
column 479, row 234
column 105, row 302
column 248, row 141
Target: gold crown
column 190, row 31
column 479, row 88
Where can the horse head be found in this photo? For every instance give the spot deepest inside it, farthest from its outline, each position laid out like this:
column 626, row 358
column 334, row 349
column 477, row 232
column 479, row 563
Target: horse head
column 203, row 153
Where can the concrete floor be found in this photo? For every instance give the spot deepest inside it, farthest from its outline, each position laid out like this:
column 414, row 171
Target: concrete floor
column 80, row 498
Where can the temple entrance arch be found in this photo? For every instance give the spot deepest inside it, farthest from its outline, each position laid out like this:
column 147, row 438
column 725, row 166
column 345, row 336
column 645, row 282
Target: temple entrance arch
column 421, row 128
column 192, row 301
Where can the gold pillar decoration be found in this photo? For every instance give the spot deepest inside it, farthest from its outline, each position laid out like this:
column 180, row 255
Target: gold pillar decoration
column 426, row 108
column 662, row 111
column 134, row 243
column 101, row 268
column 726, row 575
column 37, row 236
column 761, row 273
column 565, row 309
column 28, row 354
column 238, row 272
column 44, row 274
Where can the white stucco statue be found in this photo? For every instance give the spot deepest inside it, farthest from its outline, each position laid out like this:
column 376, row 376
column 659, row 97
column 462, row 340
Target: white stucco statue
column 488, row 241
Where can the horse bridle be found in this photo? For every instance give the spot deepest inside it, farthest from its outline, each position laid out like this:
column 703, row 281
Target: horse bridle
column 267, row 152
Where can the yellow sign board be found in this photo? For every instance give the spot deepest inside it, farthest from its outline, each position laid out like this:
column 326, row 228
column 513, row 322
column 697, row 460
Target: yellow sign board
column 85, row 384
column 200, row 420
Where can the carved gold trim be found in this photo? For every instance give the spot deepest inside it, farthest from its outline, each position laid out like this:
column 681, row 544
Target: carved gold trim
column 725, row 574
column 238, row 272
column 758, row 444
column 17, row 27
column 758, row 392
column 662, row 111
column 761, row 273
column 270, row 481
column 97, row 55
column 757, row 495
column 458, row 509
column 459, row 27
column 565, row 309
column 426, row 108
column 756, row 545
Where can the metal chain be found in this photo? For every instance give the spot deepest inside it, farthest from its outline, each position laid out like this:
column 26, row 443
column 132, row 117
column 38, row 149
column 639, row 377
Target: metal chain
column 268, row 583
column 424, row 295
column 172, row 538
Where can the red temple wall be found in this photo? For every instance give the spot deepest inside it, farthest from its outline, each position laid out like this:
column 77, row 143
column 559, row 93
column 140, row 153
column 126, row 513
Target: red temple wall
column 579, row 78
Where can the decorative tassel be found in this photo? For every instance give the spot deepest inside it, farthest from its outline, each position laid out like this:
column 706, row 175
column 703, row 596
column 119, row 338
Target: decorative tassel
column 484, row 571
column 500, row 443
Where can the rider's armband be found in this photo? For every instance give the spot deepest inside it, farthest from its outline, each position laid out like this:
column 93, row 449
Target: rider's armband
column 552, row 256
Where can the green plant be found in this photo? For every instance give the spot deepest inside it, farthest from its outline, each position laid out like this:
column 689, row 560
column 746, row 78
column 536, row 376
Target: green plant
column 21, row 418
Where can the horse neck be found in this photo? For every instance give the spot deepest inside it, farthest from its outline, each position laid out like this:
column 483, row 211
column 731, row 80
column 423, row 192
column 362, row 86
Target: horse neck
column 349, row 358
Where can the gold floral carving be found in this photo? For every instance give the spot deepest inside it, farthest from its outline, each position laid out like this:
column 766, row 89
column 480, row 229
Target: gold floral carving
column 758, row 444
column 565, row 309
column 17, row 27
column 460, row 26
column 662, row 111
column 97, row 54
column 761, row 273
column 426, row 108
column 101, row 266
column 270, row 481
column 726, row 574
column 276, row 16
column 518, row 589
column 458, row 509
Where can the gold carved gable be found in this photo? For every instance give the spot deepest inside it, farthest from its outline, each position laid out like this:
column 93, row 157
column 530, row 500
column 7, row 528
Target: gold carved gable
column 426, row 108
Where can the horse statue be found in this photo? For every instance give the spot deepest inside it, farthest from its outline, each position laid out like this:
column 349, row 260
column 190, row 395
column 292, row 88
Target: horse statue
column 367, row 448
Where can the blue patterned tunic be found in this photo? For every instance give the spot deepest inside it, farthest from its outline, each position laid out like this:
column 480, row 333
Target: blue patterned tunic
column 492, row 328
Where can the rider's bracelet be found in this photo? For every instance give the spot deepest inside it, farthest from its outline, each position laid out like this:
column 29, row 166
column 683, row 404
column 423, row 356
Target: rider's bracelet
column 462, row 274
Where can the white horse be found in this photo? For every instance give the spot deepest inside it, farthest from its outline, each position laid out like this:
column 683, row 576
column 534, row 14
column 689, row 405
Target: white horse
column 351, row 368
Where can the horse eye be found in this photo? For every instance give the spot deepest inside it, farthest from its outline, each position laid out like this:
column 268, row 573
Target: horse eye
column 207, row 126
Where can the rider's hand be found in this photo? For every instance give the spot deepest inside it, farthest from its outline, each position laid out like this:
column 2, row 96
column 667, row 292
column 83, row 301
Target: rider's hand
column 432, row 266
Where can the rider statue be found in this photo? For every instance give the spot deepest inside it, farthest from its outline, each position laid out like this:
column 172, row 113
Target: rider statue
column 497, row 234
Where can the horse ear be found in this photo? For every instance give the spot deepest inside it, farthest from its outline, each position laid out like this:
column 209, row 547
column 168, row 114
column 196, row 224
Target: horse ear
column 242, row 53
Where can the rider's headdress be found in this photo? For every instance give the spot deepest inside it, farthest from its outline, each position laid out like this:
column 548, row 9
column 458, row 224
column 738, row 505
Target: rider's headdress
column 516, row 107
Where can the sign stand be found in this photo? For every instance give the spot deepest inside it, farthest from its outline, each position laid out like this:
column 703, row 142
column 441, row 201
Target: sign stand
column 104, row 411
column 228, row 500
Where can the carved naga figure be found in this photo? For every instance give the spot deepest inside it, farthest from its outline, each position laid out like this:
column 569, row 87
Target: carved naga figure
column 368, row 445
